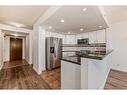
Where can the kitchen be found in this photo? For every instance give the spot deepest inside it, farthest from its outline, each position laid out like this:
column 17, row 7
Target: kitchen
column 79, row 40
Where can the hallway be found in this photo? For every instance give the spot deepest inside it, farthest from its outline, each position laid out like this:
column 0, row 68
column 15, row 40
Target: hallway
column 13, row 76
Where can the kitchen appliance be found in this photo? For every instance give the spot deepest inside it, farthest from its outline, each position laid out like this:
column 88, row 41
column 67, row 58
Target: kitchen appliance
column 83, row 41
column 53, row 52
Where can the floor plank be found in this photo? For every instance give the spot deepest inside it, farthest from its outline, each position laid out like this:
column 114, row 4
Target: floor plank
column 52, row 77
column 116, row 80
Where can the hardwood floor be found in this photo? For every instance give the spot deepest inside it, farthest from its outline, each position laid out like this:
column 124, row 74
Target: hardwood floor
column 53, row 78
column 21, row 77
column 116, row 80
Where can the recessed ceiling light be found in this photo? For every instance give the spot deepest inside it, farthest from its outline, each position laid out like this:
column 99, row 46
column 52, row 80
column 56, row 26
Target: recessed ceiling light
column 100, row 26
column 84, row 9
column 15, row 34
column 17, row 24
column 69, row 32
column 62, row 20
column 81, row 29
column 50, row 27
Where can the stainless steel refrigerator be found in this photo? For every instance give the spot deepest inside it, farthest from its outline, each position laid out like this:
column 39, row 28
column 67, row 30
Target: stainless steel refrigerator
column 53, row 52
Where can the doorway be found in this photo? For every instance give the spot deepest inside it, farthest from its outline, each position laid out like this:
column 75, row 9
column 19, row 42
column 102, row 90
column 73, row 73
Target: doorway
column 15, row 49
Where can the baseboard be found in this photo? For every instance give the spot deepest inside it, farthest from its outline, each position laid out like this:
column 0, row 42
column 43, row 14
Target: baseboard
column 27, row 61
column 120, row 69
column 6, row 61
column 37, row 71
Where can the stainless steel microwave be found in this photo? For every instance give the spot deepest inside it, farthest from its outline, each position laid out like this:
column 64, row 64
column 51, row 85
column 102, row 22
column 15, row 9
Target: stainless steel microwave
column 83, row 41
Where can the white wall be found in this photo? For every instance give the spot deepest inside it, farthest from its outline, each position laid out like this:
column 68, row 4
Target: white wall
column 38, row 49
column 7, row 48
column 118, row 41
column 30, row 47
column 41, row 46
column 27, row 48
column 1, row 48
column 35, row 49
column 24, row 48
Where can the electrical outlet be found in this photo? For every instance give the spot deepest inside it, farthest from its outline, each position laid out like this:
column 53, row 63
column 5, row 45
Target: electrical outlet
column 118, row 64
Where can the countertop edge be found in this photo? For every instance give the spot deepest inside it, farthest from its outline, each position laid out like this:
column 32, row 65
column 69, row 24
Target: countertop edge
column 77, row 63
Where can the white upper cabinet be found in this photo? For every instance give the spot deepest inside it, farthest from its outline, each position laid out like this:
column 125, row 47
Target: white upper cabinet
column 101, row 36
column 94, row 37
column 70, row 39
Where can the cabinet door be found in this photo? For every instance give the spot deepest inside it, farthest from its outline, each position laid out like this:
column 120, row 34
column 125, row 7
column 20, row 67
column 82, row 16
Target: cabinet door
column 70, row 75
column 97, row 37
column 101, row 36
column 70, row 39
column 92, row 37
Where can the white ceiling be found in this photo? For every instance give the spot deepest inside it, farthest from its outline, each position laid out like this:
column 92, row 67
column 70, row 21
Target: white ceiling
column 75, row 19
column 24, row 16
column 115, row 13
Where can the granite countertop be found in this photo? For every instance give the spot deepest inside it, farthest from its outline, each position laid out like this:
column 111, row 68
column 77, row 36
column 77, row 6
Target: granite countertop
column 73, row 59
column 86, row 54
column 94, row 55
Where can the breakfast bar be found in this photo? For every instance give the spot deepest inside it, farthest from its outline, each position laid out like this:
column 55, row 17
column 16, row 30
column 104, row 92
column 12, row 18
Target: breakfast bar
column 85, row 70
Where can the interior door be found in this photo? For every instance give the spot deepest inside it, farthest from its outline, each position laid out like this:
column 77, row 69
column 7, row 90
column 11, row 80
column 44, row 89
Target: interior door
column 15, row 49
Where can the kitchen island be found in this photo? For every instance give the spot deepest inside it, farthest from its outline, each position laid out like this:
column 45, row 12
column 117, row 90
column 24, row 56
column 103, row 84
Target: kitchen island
column 85, row 70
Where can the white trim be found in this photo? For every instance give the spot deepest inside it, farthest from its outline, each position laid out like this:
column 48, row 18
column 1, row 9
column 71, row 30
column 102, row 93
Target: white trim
column 36, row 70
column 12, row 28
column 47, row 14
column 103, row 14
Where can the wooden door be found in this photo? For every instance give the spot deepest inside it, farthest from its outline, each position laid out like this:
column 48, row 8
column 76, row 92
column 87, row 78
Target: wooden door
column 15, row 49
